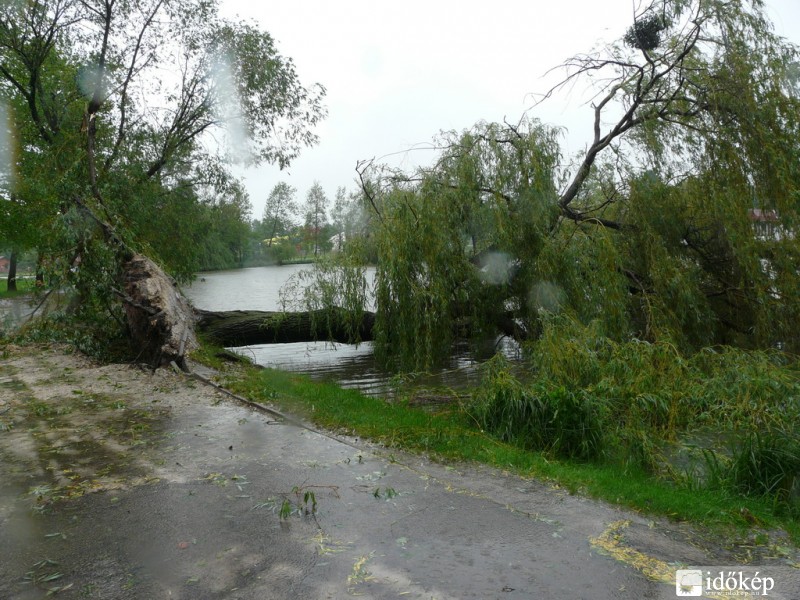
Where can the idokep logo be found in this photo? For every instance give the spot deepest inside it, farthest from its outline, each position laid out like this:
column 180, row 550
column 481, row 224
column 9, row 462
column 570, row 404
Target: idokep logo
column 689, row 582
column 750, row 581
column 738, row 583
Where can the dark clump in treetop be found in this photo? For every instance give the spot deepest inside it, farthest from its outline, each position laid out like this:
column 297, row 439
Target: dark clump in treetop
column 645, row 33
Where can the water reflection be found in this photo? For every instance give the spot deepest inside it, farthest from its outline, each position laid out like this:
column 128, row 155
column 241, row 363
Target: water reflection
column 256, row 288
column 350, row 366
column 14, row 311
column 355, row 366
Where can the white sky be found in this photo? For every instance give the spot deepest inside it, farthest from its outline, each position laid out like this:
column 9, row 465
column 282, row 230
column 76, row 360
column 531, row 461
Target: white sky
column 398, row 73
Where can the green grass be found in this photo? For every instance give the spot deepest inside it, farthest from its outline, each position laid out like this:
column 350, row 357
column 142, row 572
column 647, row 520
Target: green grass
column 24, row 286
column 450, row 434
column 214, row 356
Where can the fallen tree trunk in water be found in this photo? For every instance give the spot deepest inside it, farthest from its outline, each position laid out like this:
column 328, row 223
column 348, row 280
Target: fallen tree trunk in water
column 234, row 328
column 248, row 327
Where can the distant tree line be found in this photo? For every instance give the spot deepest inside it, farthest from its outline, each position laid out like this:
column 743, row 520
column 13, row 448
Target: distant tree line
column 289, row 230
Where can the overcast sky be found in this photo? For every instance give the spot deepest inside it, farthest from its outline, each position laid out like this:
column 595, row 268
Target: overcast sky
column 398, row 73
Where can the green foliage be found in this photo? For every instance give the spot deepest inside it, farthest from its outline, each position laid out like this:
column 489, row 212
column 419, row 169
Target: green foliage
column 657, row 241
column 279, row 212
column 457, row 244
column 333, row 283
column 102, row 339
column 286, row 509
column 316, row 219
column 761, row 463
column 414, row 296
column 310, row 502
column 556, row 420
column 581, row 273
column 278, row 112
column 105, row 133
column 636, row 402
column 717, row 386
column 767, row 464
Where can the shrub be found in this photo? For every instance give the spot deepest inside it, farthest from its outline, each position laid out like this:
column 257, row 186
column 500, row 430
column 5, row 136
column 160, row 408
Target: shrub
column 568, row 424
column 767, row 465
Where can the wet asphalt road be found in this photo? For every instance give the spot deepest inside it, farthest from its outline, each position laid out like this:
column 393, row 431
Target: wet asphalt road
column 189, row 506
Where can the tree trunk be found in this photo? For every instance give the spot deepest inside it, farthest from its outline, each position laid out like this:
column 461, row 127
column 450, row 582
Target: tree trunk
column 233, row 328
column 247, row 327
column 12, row 271
column 39, row 272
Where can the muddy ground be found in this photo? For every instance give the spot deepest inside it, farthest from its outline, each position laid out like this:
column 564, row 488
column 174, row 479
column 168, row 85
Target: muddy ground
column 119, row 482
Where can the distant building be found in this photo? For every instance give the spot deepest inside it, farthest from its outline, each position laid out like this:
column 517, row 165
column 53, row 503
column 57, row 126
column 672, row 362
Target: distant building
column 276, row 241
column 766, row 223
column 4, row 262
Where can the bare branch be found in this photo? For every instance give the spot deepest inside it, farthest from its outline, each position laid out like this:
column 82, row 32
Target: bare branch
column 647, row 78
column 361, row 168
column 126, row 82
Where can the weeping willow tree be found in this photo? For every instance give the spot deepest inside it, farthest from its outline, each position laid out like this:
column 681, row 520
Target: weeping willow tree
column 448, row 240
column 677, row 224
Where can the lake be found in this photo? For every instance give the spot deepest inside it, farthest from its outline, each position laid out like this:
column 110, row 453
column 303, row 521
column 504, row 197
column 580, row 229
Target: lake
column 258, row 288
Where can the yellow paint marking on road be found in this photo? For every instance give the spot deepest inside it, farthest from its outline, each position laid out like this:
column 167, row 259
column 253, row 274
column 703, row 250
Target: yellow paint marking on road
column 612, row 543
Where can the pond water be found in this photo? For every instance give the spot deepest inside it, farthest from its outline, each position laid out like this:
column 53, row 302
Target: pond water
column 258, row 288
column 14, row 311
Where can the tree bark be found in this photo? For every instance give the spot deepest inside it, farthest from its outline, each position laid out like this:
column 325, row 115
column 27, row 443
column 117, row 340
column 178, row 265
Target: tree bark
column 12, row 271
column 39, row 272
column 247, row 327
column 233, row 328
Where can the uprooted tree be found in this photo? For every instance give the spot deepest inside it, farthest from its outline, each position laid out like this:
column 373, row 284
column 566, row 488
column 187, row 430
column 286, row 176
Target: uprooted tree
column 113, row 104
column 678, row 223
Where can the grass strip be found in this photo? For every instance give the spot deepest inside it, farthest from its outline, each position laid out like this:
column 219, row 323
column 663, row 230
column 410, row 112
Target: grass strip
column 24, row 286
column 449, row 434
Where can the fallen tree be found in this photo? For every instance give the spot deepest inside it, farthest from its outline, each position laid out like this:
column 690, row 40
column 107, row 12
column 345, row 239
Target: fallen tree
column 248, row 327
column 651, row 237
column 118, row 164
column 233, row 328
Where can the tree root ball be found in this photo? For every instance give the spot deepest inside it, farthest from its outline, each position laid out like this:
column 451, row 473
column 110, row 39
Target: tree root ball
column 161, row 320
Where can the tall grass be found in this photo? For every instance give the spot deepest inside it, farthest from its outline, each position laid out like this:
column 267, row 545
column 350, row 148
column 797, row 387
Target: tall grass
column 566, row 423
column 635, row 402
column 767, row 465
